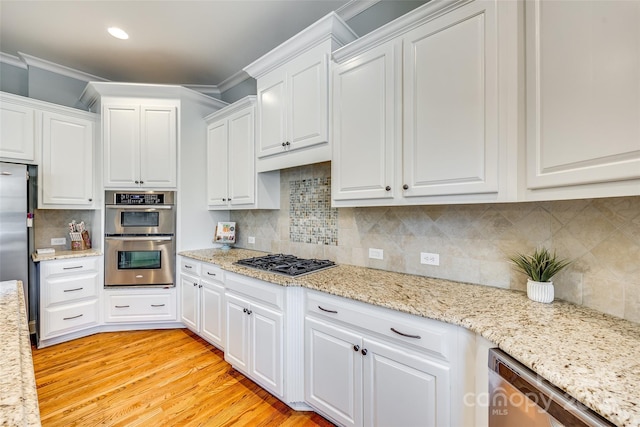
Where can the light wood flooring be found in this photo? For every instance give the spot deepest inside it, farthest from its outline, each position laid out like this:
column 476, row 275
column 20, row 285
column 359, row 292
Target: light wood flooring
column 152, row 378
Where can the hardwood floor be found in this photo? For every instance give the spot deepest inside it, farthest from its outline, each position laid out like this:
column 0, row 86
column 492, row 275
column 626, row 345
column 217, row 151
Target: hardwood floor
column 152, row 378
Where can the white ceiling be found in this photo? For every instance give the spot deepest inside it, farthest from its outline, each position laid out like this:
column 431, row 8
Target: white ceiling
column 174, row 42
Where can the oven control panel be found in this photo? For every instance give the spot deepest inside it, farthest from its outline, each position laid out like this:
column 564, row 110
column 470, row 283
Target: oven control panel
column 139, row 199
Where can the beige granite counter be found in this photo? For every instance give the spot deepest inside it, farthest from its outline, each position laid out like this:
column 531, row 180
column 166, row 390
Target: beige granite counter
column 65, row 255
column 18, row 393
column 592, row 356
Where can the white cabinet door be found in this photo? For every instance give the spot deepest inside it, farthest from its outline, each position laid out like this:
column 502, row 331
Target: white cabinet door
column 583, row 101
column 217, row 164
column 17, row 131
column 266, row 348
column 158, row 147
column 212, row 312
column 333, row 371
column 401, row 389
column 272, row 98
column 140, row 146
column 190, row 302
column 450, row 104
column 242, row 187
column 365, row 114
column 307, row 106
column 67, row 161
column 121, row 135
column 236, row 352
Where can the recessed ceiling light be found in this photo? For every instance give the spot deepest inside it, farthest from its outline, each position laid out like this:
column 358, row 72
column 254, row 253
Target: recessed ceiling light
column 118, row 33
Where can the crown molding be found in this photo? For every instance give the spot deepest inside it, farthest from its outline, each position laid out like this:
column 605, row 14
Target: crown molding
column 354, row 7
column 247, row 101
column 43, row 64
column 397, row 28
column 208, row 90
column 234, row 80
column 5, row 58
column 330, row 27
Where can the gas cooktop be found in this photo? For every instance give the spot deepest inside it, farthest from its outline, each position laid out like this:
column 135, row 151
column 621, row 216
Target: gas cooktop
column 288, row 265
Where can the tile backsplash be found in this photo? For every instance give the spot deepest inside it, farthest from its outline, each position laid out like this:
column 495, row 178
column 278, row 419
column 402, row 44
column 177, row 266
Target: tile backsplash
column 54, row 223
column 601, row 236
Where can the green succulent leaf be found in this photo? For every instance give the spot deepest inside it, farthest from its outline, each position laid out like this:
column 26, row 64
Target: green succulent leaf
column 540, row 266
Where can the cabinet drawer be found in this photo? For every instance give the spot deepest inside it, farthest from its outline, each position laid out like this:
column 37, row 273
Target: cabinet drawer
column 189, row 266
column 70, row 288
column 141, row 307
column 265, row 292
column 432, row 336
column 76, row 265
column 211, row 272
column 68, row 318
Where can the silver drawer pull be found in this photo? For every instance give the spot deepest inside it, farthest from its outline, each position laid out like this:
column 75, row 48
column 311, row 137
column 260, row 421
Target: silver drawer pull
column 157, row 305
column 211, row 274
column 328, row 311
column 406, row 335
column 123, row 306
column 73, row 317
column 72, row 290
column 187, row 266
column 72, row 268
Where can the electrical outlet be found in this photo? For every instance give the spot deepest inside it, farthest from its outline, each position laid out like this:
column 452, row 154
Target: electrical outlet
column 58, row 241
column 376, row 253
column 429, row 258
column 251, row 240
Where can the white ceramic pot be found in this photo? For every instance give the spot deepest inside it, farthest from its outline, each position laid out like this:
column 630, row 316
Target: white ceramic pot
column 540, row 291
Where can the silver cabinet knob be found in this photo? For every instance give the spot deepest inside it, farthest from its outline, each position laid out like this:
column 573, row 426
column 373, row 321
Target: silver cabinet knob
column 405, row 187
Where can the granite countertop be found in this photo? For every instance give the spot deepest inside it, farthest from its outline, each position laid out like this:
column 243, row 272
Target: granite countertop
column 65, row 255
column 18, row 393
column 589, row 354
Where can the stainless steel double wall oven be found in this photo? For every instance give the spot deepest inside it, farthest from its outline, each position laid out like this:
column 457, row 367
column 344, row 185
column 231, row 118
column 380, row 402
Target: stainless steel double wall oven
column 140, row 238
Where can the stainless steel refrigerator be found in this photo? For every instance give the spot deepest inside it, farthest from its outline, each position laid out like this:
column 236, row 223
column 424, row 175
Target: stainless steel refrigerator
column 14, row 238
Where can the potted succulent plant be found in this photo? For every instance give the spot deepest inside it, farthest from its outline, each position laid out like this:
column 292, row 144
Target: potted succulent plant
column 540, row 267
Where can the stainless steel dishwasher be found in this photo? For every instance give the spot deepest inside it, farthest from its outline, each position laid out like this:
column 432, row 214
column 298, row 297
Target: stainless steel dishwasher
column 519, row 397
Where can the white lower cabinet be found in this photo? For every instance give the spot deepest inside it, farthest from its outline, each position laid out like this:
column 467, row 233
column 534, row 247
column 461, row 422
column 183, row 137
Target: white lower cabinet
column 69, row 298
column 140, row 305
column 254, row 331
column 369, row 366
column 202, row 300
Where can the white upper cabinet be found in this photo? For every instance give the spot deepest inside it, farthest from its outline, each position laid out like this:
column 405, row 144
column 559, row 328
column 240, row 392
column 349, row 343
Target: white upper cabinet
column 232, row 181
column 17, row 129
column 366, row 124
column 419, row 111
column 450, row 81
column 140, row 145
column 66, row 178
column 292, row 104
column 293, row 96
column 583, row 99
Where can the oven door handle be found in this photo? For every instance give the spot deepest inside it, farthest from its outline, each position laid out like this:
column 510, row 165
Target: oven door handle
column 139, row 238
column 140, row 207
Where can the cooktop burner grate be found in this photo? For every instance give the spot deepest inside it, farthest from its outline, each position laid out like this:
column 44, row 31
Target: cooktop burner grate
column 288, row 265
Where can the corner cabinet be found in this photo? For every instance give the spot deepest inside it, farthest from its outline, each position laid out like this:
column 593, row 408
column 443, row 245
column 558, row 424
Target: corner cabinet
column 140, row 144
column 232, row 181
column 422, row 101
column 583, row 102
column 293, row 96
